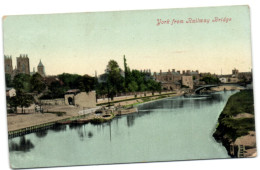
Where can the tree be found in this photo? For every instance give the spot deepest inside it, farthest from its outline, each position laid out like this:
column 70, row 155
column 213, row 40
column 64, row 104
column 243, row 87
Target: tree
column 13, row 103
column 8, row 80
column 209, row 79
column 127, row 74
column 133, row 86
column 22, row 83
column 21, row 99
column 88, row 83
column 37, row 83
column 154, row 86
column 115, row 81
column 25, row 100
column 56, row 90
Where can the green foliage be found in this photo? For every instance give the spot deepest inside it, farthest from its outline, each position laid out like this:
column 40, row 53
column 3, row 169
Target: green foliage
column 69, row 81
column 134, row 81
column 21, row 99
column 37, row 83
column 209, row 79
column 241, row 102
column 133, row 86
column 22, row 83
column 8, row 80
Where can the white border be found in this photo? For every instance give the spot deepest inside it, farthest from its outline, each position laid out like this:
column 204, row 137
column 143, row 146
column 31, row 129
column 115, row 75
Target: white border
column 17, row 7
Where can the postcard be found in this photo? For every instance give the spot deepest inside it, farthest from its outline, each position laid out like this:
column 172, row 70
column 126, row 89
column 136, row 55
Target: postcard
column 129, row 86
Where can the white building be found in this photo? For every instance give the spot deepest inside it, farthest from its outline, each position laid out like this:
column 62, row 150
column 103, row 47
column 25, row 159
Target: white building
column 223, row 79
column 10, row 92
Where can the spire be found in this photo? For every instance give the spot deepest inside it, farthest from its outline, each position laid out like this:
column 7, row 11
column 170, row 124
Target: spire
column 40, row 64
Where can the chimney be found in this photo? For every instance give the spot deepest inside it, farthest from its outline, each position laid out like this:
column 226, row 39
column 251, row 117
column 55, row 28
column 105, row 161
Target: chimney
column 197, row 71
column 160, row 71
column 179, row 71
column 173, row 70
column 183, row 71
column 188, row 71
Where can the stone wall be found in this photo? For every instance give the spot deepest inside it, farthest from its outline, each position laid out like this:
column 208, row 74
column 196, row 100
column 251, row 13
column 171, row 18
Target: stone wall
column 53, row 102
column 82, row 99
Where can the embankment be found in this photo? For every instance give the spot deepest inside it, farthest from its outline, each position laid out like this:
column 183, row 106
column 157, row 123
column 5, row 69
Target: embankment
column 236, row 125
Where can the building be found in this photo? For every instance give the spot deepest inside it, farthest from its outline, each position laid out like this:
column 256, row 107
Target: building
column 41, row 69
column 187, row 81
column 23, row 64
column 170, row 80
column 195, row 74
column 235, row 71
column 223, row 79
column 8, row 64
column 10, row 92
column 81, row 99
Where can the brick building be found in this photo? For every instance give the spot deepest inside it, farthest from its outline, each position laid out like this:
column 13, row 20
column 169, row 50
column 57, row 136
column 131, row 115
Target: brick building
column 172, row 80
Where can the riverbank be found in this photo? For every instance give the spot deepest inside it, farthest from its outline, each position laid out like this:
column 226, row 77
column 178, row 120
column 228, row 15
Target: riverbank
column 119, row 108
column 24, row 123
column 226, row 88
column 236, row 125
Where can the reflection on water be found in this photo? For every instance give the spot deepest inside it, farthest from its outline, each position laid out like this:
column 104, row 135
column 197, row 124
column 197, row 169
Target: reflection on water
column 41, row 134
column 169, row 129
column 23, row 145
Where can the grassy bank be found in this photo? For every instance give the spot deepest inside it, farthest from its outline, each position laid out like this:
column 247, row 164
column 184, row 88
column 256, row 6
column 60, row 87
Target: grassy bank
column 230, row 127
column 145, row 98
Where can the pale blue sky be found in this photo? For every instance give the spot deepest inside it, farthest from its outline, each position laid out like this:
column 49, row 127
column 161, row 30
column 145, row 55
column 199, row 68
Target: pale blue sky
column 84, row 42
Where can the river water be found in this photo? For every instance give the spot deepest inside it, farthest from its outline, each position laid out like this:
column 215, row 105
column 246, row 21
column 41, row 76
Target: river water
column 169, row 129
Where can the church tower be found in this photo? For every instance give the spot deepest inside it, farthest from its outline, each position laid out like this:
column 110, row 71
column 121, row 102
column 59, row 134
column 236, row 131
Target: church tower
column 8, row 64
column 40, row 69
column 23, row 64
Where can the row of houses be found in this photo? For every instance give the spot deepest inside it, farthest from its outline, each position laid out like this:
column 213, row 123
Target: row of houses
column 236, row 77
column 172, row 80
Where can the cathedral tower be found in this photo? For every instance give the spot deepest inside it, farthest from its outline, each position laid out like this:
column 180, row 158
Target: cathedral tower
column 8, row 64
column 23, row 64
column 40, row 69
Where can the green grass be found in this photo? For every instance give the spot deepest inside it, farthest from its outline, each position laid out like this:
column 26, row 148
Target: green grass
column 142, row 98
column 241, row 102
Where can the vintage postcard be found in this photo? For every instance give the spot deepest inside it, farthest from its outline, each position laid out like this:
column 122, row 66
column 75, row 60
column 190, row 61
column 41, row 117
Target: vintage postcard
column 129, row 86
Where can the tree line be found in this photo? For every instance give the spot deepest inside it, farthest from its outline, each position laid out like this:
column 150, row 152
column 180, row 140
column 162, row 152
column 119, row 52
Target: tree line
column 30, row 88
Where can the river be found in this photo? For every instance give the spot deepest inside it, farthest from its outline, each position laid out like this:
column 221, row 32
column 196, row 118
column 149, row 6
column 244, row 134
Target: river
column 170, row 129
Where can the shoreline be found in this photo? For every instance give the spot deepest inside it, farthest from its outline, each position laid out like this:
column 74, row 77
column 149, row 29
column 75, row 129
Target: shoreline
column 236, row 129
column 127, row 107
column 89, row 118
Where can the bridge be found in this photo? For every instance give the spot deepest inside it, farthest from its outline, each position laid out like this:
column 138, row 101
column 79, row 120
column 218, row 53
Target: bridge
column 208, row 86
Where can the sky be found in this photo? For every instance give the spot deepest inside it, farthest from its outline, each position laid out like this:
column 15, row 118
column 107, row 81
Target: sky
column 83, row 43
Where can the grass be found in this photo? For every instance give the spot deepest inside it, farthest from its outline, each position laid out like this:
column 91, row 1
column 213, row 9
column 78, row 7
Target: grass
column 241, row 102
column 142, row 98
column 145, row 99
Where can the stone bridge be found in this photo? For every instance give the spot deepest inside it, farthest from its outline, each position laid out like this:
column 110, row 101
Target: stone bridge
column 208, row 86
